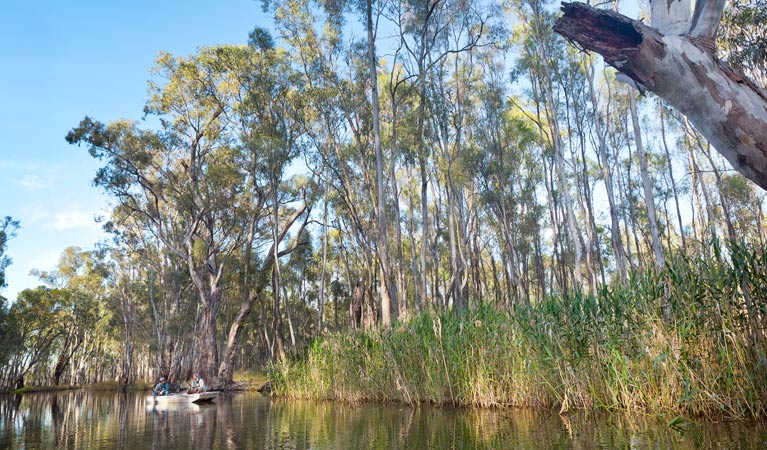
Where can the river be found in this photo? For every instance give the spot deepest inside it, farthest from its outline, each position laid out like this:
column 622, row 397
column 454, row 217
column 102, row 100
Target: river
column 106, row 420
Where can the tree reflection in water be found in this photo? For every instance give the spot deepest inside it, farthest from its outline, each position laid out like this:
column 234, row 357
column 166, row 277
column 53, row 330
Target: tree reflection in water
column 101, row 420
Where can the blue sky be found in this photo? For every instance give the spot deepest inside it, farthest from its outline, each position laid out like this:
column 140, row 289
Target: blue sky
column 61, row 61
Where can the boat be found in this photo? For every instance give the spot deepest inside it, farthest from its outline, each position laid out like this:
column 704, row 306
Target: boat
column 182, row 398
column 178, row 407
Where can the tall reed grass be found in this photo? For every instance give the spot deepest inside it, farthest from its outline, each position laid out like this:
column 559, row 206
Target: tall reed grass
column 687, row 340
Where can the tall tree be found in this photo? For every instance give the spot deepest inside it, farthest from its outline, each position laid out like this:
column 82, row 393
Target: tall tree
column 647, row 185
column 181, row 181
column 8, row 228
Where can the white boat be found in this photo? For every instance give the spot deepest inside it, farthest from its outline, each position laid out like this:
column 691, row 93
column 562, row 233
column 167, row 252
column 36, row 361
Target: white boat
column 178, row 407
column 181, row 398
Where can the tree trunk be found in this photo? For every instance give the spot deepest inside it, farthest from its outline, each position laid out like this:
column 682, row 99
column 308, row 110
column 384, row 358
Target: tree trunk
column 226, row 368
column 61, row 364
column 607, row 176
column 550, row 110
column 723, row 198
column 673, row 180
column 159, row 328
column 207, row 359
column 399, row 265
column 388, row 299
column 646, row 183
column 728, row 109
column 710, row 225
column 129, row 314
column 324, row 263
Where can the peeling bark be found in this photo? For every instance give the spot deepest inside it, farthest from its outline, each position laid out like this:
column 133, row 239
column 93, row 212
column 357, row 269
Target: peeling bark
column 706, row 19
column 726, row 107
column 670, row 16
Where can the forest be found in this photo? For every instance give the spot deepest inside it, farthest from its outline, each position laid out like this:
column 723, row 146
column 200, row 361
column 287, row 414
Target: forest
column 374, row 193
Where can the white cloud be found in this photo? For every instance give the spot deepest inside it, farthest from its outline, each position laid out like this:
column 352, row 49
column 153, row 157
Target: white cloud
column 74, row 219
column 33, row 182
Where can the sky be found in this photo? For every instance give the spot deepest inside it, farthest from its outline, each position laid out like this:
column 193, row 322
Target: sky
column 61, row 61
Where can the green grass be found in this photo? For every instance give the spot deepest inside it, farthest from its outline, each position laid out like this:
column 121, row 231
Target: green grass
column 689, row 340
column 33, row 389
column 101, row 386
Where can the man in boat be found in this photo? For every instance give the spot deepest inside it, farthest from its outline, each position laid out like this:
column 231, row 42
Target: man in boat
column 161, row 388
column 198, row 385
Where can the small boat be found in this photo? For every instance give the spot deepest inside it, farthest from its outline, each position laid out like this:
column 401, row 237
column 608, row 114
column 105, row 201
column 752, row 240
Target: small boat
column 182, row 398
column 178, row 407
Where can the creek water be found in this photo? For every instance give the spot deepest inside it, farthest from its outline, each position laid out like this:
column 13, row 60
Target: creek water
column 100, row 420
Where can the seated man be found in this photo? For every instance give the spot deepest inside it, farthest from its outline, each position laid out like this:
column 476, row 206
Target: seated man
column 198, row 385
column 161, row 388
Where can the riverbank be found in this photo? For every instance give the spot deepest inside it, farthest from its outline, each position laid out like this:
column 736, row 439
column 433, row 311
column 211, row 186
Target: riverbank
column 103, row 386
column 245, row 380
column 686, row 341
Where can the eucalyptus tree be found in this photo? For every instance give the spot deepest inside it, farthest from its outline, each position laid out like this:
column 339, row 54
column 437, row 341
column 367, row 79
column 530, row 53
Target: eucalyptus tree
column 646, row 182
column 539, row 50
column 400, row 105
column 62, row 326
column 8, row 228
column 708, row 228
column 606, row 163
column 181, row 180
column 742, row 38
column 149, row 277
column 429, row 32
column 745, row 207
column 127, row 287
column 151, row 309
column 508, row 177
column 271, row 127
column 455, row 71
column 389, row 300
column 32, row 317
column 341, row 81
column 317, row 55
column 8, row 330
column 369, row 12
column 333, row 76
column 10, row 341
column 80, row 314
column 419, row 26
column 572, row 83
column 675, row 186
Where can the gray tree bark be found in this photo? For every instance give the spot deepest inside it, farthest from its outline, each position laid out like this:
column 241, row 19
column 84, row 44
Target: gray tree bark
column 615, row 230
column 388, row 299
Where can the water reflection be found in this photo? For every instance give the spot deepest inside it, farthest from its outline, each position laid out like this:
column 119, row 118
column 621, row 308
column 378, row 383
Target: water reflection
column 85, row 420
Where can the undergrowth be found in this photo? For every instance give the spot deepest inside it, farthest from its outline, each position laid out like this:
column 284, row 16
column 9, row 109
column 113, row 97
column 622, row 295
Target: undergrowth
column 688, row 340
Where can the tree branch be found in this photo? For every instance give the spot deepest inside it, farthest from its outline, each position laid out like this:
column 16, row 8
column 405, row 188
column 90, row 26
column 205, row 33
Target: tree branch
column 705, row 21
column 726, row 107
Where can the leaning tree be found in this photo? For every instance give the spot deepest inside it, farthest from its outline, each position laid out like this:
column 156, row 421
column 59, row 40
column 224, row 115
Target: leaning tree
column 676, row 60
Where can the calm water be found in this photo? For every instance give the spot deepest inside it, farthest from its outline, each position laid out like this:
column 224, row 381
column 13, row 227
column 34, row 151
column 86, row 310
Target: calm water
column 88, row 420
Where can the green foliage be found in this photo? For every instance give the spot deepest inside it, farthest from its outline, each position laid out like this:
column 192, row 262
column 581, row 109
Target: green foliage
column 50, row 326
column 8, row 228
column 742, row 38
column 472, row 197
column 612, row 350
column 10, row 338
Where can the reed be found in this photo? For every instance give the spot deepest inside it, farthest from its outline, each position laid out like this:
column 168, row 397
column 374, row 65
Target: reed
column 687, row 340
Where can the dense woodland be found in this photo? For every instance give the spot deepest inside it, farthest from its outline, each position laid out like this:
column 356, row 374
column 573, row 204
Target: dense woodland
column 364, row 163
